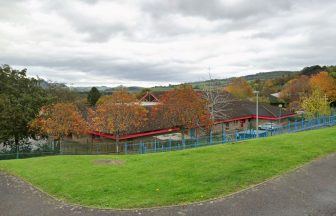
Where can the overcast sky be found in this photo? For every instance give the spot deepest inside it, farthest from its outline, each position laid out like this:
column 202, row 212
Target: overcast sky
column 154, row 42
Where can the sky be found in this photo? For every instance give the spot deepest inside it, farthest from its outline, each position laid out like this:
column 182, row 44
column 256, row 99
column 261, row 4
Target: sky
column 151, row 42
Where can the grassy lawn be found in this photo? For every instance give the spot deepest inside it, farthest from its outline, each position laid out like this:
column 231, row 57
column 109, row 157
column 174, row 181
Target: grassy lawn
column 171, row 177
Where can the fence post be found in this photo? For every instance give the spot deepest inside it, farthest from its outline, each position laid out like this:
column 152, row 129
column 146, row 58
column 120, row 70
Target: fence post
column 295, row 125
column 210, row 137
column 155, row 145
column 125, row 147
column 183, row 140
column 236, row 135
column 289, row 126
column 170, row 146
column 17, row 151
column 302, row 124
column 223, row 137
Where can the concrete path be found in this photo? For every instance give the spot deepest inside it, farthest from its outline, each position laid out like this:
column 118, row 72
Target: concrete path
column 310, row 190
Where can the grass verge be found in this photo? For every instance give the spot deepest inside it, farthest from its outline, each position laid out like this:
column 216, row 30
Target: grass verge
column 134, row 181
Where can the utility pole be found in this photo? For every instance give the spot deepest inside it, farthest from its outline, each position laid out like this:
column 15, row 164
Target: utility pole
column 257, row 113
column 280, row 107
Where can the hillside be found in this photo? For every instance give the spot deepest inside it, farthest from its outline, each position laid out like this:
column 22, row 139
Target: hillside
column 308, row 71
column 224, row 82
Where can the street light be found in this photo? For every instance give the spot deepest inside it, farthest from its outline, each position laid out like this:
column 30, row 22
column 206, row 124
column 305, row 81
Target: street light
column 280, row 106
column 257, row 113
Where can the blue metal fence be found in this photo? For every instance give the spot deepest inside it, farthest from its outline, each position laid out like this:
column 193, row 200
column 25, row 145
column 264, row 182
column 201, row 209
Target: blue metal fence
column 156, row 145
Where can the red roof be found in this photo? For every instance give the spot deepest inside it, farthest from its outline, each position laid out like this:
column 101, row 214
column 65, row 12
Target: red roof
column 135, row 135
column 237, row 110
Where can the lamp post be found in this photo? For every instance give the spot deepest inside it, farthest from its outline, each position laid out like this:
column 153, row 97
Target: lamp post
column 257, row 113
column 280, row 107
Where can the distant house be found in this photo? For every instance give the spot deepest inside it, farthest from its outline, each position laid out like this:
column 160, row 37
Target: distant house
column 241, row 115
column 149, row 99
column 276, row 100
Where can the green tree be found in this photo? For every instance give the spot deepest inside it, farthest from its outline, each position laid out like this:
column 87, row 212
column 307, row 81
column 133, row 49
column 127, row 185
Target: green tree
column 60, row 93
column 20, row 101
column 93, row 96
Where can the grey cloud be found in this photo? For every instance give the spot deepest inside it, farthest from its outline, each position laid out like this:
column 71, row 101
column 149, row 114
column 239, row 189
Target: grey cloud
column 118, row 68
column 216, row 9
column 95, row 30
column 270, row 34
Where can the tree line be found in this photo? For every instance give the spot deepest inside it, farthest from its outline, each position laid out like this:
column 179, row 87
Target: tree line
column 29, row 109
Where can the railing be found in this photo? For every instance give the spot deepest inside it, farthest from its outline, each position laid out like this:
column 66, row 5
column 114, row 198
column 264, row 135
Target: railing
column 155, row 145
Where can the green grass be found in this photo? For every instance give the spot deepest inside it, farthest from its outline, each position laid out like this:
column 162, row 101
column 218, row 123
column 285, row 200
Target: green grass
column 172, row 177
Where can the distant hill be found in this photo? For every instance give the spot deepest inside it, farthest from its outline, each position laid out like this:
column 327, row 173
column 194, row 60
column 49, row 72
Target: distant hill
column 87, row 89
column 309, row 71
column 225, row 82
column 132, row 89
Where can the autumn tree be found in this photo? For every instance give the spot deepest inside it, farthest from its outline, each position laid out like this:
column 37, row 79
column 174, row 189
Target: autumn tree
column 184, row 108
column 118, row 114
column 240, row 88
column 325, row 83
column 59, row 120
column 93, row 96
column 316, row 104
column 296, row 89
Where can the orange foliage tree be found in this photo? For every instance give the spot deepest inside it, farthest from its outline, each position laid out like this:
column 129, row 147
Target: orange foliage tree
column 183, row 108
column 119, row 113
column 59, row 120
column 296, row 89
column 325, row 83
column 240, row 88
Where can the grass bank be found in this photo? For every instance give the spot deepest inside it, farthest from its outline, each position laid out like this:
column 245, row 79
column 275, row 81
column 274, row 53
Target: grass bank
column 132, row 181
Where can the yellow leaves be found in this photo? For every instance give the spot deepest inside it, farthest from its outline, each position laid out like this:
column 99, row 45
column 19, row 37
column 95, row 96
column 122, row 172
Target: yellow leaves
column 240, row 88
column 325, row 83
column 315, row 104
column 120, row 97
